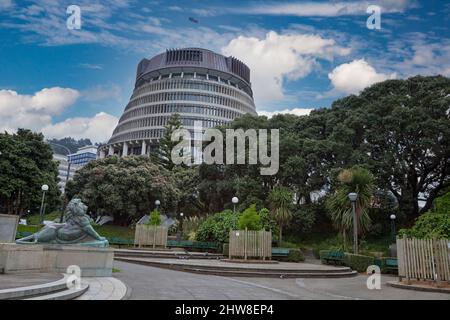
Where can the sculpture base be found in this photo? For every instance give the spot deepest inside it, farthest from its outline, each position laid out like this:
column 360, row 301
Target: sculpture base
column 93, row 262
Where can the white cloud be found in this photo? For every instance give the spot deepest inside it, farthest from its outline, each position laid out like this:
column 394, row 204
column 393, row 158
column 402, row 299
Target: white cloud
column 98, row 128
column 102, row 92
column 354, row 76
column 295, row 111
column 36, row 112
column 276, row 57
column 6, row 4
column 323, row 9
column 33, row 111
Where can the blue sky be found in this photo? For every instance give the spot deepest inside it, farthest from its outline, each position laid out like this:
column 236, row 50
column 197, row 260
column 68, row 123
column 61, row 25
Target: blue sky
column 302, row 54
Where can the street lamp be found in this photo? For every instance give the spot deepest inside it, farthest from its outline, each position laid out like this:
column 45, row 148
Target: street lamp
column 235, row 200
column 393, row 217
column 44, row 189
column 353, row 196
column 181, row 225
column 157, row 204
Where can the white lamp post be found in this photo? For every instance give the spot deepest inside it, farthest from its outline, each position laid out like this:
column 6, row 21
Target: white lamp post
column 157, row 203
column 44, row 189
column 353, row 196
column 393, row 217
column 234, row 200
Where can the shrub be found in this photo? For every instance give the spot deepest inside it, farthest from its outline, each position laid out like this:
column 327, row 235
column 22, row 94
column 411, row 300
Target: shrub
column 155, row 218
column 216, row 228
column 358, row 262
column 295, row 255
column 268, row 221
column 250, row 219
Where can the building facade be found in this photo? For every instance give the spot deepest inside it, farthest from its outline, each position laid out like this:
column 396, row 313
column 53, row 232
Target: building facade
column 198, row 84
column 77, row 160
column 63, row 165
column 83, row 156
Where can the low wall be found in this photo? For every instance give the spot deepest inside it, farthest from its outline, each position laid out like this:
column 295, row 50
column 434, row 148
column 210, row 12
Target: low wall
column 8, row 227
column 94, row 262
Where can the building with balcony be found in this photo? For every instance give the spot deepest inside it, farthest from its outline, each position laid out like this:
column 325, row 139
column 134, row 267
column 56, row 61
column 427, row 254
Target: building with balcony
column 198, row 84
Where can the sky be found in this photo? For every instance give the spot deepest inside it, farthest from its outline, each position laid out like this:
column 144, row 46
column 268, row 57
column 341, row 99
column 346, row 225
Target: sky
column 302, row 54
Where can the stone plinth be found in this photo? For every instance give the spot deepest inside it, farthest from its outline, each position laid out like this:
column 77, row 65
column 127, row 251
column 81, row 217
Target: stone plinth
column 94, row 262
column 8, row 227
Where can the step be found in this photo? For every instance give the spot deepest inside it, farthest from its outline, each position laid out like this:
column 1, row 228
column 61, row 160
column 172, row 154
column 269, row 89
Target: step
column 67, row 294
column 40, row 289
column 272, row 274
column 235, row 272
column 169, row 255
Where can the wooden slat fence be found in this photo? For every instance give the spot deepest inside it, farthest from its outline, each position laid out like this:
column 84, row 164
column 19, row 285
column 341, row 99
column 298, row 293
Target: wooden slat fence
column 423, row 259
column 250, row 244
column 147, row 235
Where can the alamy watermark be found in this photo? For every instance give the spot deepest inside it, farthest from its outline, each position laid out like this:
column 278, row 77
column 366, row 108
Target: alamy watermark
column 74, row 20
column 374, row 280
column 190, row 150
column 374, row 20
column 73, row 281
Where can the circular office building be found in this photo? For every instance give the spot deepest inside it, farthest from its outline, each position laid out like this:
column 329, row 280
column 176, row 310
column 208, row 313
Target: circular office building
column 203, row 87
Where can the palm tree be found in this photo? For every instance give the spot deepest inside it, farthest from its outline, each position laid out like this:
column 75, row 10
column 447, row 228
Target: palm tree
column 357, row 180
column 280, row 199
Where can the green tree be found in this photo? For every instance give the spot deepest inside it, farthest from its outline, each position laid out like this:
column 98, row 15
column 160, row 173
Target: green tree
column 26, row 163
column 250, row 219
column 163, row 155
column 155, row 218
column 357, row 180
column 216, row 227
column 281, row 199
column 125, row 188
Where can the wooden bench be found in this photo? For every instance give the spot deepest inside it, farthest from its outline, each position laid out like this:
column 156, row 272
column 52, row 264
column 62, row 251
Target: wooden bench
column 280, row 252
column 193, row 244
column 334, row 257
column 391, row 264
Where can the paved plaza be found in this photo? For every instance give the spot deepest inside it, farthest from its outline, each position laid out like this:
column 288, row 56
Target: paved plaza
column 150, row 283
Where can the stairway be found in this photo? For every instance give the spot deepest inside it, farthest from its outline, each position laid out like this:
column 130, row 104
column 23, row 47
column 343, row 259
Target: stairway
column 56, row 290
column 143, row 253
column 267, row 271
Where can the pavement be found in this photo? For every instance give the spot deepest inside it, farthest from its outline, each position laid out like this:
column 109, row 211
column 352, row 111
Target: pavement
column 150, row 283
column 104, row 288
column 9, row 281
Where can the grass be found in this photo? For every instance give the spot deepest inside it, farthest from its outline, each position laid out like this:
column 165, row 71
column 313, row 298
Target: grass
column 34, row 219
column 115, row 270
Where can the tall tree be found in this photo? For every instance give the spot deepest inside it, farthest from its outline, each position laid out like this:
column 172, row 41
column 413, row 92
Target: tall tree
column 360, row 181
column 26, row 163
column 163, row 156
column 280, row 199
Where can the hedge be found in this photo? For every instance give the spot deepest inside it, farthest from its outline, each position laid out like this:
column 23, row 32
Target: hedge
column 295, row 255
column 358, row 262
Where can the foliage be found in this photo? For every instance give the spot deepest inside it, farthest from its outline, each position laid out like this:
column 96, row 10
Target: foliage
column 125, row 188
column 26, row 163
column 358, row 262
column 163, row 155
column 155, row 218
column 190, row 226
column 432, row 224
column 35, row 218
column 357, row 180
column 250, row 219
column 280, row 199
column 217, row 227
column 268, row 222
column 294, row 255
column 70, row 143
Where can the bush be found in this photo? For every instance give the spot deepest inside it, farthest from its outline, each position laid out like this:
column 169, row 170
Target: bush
column 216, row 228
column 268, row 221
column 250, row 219
column 155, row 218
column 295, row 255
column 358, row 262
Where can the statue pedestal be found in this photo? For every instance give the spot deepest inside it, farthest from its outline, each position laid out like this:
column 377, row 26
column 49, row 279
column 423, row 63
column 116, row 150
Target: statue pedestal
column 93, row 262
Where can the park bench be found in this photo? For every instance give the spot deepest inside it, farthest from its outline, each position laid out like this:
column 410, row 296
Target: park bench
column 120, row 241
column 187, row 244
column 334, row 257
column 280, row 252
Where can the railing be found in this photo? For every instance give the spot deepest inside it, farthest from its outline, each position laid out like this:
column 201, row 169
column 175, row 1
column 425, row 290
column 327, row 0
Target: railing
column 147, row 235
column 423, row 259
column 250, row 244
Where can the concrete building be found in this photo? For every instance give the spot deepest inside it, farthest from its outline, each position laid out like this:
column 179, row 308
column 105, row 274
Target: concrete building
column 77, row 160
column 198, row 84
column 83, row 156
column 63, row 164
